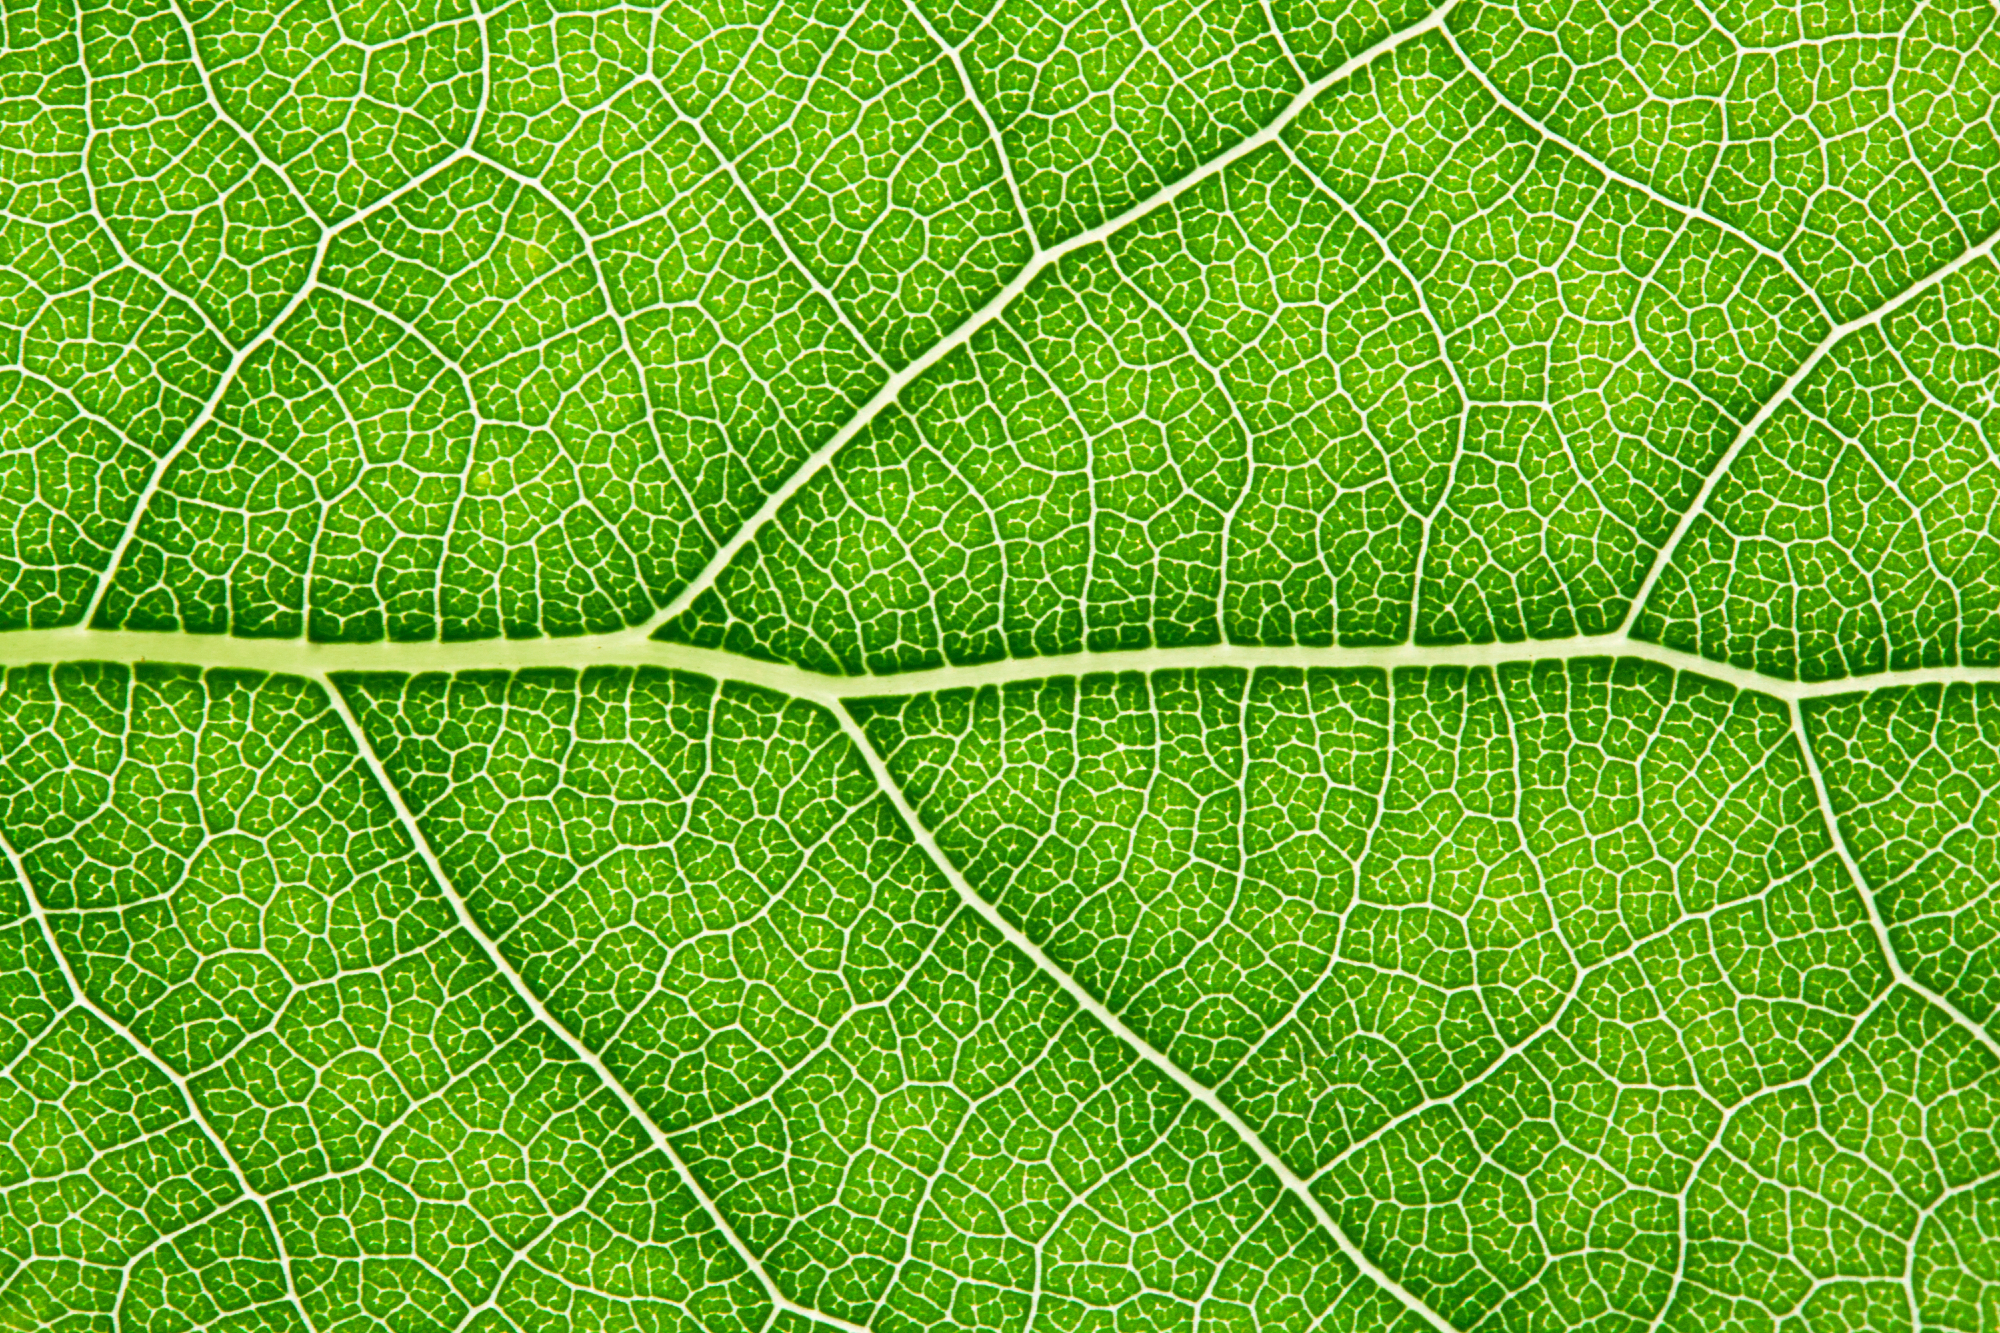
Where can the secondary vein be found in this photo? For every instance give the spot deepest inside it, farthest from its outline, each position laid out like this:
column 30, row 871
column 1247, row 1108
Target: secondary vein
column 1139, row 1045
column 893, row 388
column 1777, row 400
column 541, row 1014
column 1861, row 886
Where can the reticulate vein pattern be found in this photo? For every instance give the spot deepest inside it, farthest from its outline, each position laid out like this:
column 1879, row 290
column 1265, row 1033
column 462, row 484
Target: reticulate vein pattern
column 1038, row 665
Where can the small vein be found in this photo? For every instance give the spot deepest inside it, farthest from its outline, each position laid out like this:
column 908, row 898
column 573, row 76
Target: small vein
column 165, row 462
column 222, row 112
column 1577, row 150
column 770, row 224
column 957, row 58
column 97, row 213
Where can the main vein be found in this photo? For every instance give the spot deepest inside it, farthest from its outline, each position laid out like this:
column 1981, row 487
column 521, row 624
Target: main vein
column 586, row 652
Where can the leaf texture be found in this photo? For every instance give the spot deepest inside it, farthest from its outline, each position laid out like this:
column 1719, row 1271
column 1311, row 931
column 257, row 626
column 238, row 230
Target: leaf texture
column 1048, row 666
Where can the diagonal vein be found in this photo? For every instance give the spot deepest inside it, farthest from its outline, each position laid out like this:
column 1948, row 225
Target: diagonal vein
column 540, row 1011
column 1862, row 887
column 1091, row 1005
column 1834, row 338
column 200, row 1118
column 892, row 389
column 258, row 340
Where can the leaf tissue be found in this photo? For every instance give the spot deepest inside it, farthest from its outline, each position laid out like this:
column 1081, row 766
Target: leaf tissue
column 1049, row 666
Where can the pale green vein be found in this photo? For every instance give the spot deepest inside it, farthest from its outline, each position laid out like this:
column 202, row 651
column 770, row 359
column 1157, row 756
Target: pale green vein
column 1091, row 1005
column 1861, row 886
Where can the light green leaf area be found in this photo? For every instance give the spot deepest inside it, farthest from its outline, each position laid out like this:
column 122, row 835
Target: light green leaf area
column 1050, row 666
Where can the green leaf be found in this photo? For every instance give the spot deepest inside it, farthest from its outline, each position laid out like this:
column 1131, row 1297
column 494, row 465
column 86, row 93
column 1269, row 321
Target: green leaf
column 531, row 798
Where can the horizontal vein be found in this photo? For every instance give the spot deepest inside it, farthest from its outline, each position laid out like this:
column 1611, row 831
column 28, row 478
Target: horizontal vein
column 986, row 314
column 1139, row 1046
column 300, row 657
column 542, row 1015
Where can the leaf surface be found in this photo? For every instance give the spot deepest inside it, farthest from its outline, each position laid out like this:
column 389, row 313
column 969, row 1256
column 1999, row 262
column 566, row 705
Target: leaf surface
column 1059, row 665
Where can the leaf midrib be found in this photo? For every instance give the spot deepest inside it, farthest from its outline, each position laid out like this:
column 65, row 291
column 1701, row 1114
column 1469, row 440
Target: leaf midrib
column 302, row 657
column 634, row 645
